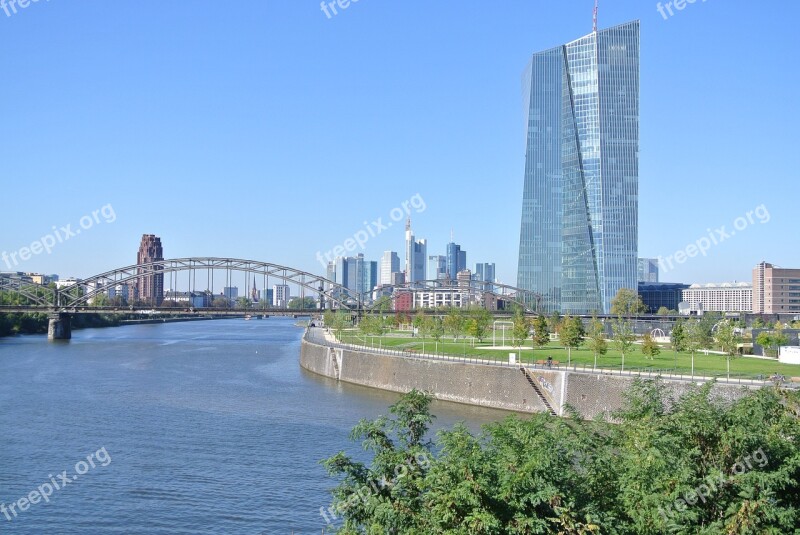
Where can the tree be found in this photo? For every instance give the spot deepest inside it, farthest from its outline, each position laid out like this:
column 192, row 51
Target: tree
column 728, row 340
column 101, row 300
column 243, row 302
column 623, row 338
column 383, row 304
column 302, row 303
column 627, row 302
column 521, row 329
column 678, row 339
column 340, row 320
column 698, row 464
column 541, row 332
column 554, row 322
column 650, row 348
column 571, row 334
column 221, row 302
column 478, row 323
column 596, row 339
column 663, row 311
column 455, row 323
column 772, row 341
column 696, row 339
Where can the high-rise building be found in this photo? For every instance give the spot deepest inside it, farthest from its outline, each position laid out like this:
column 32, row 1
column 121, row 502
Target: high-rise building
column 149, row 288
column 579, row 230
column 416, row 254
column 390, row 263
column 647, row 269
column 456, row 260
column 280, row 295
column 775, row 290
column 485, row 273
column 354, row 273
column 437, row 267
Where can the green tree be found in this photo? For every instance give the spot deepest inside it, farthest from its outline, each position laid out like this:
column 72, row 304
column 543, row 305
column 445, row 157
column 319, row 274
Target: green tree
column 383, row 304
column 627, row 302
column 697, row 339
column 650, row 348
column 541, row 332
column 572, row 334
column 663, row 311
column 728, row 340
column 678, row 339
column 101, row 300
column 302, row 303
column 596, row 339
column 521, row 328
column 478, row 323
column 221, row 302
column 554, row 322
column 623, row 338
column 243, row 302
column 698, row 464
column 455, row 323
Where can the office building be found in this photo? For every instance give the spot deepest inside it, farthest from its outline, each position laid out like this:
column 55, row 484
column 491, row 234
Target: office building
column 647, row 270
column 280, row 296
column 416, row 254
column 775, row 290
column 437, row 267
column 579, row 228
column 149, row 288
column 390, row 263
column 485, row 273
column 725, row 297
column 456, row 260
column 661, row 294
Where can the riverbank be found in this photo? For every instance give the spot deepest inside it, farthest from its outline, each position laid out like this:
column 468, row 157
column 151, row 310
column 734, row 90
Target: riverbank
column 486, row 383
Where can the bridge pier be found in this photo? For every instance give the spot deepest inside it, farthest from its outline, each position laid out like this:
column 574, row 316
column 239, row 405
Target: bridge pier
column 59, row 327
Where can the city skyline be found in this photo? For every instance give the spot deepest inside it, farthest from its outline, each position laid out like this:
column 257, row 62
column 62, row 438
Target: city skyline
column 693, row 149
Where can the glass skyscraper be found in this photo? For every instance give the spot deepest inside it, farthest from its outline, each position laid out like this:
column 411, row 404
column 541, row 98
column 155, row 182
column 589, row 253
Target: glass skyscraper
column 579, row 232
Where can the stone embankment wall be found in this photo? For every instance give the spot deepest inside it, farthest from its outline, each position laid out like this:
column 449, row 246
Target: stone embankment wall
column 500, row 387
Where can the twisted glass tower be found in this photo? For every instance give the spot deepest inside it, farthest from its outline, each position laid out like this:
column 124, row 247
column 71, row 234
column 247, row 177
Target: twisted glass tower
column 579, row 232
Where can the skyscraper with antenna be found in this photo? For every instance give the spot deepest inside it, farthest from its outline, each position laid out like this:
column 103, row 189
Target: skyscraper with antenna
column 579, row 229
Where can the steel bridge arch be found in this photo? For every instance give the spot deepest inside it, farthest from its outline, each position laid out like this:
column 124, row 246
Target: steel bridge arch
column 102, row 282
column 29, row 290
column 503, row 291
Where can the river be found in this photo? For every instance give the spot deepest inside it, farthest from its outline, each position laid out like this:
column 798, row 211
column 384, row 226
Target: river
column 181, row 428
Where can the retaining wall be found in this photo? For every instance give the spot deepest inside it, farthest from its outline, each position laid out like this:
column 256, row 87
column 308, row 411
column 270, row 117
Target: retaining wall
column 499, row 387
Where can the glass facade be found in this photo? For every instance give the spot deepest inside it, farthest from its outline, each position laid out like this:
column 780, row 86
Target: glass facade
column 579, row 231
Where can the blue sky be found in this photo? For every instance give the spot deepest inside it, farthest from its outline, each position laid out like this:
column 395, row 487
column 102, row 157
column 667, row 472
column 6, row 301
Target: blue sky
column 266, row 130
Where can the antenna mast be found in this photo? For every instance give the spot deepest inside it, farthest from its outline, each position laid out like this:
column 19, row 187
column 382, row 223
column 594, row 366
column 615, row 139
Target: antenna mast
column 595, row 16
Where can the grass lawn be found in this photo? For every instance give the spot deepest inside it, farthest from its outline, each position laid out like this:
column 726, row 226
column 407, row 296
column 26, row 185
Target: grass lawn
column 707, row 365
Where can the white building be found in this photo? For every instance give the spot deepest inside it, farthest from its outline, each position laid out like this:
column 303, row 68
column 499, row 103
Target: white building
column 441, row 297
column 280, row 296
column 725, row 297
column 390, row 263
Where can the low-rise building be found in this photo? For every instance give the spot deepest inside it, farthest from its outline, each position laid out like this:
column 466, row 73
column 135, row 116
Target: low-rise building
column 725, row 297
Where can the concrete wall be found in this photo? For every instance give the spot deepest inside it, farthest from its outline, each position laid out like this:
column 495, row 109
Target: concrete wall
column 498, row 387
column 474, row 384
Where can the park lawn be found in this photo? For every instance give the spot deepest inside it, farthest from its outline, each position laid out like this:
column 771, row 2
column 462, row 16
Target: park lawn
column 708, row 365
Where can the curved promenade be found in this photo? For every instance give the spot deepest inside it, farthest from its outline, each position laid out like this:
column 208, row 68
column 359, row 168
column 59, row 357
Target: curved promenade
column 486, row 383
